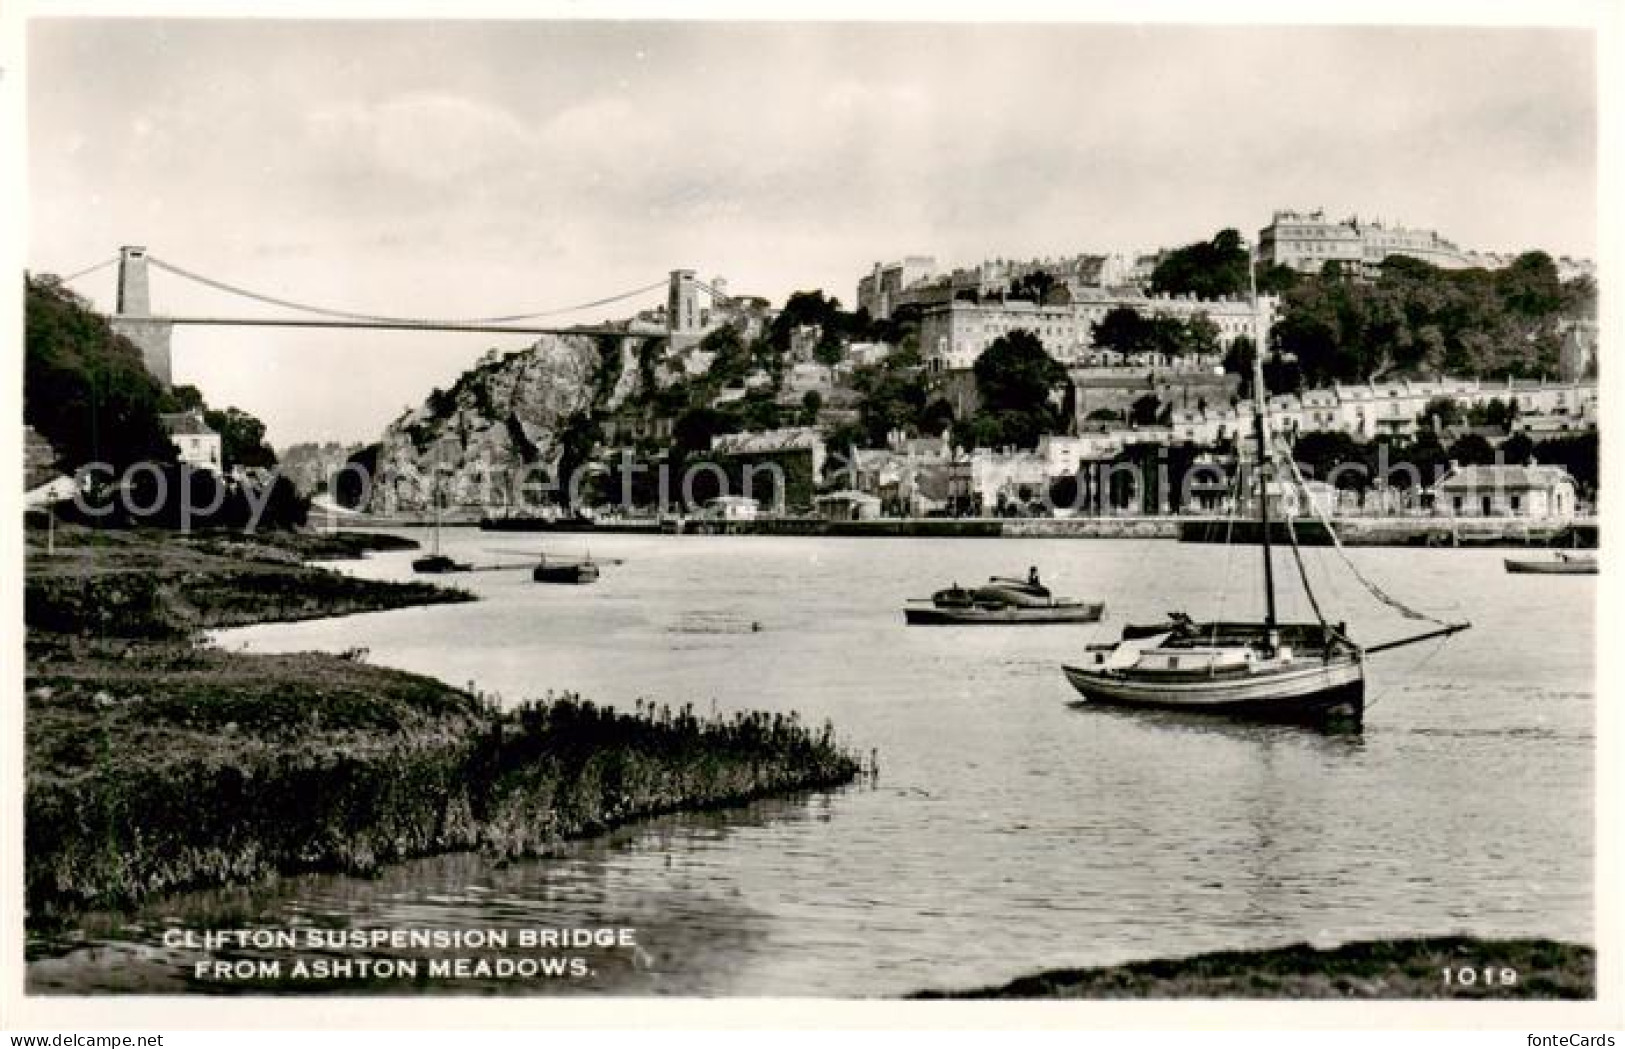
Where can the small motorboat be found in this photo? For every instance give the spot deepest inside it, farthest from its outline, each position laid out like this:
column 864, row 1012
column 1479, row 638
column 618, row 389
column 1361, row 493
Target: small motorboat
column 1565, row 563
column 1002, row 602
column 556, row 571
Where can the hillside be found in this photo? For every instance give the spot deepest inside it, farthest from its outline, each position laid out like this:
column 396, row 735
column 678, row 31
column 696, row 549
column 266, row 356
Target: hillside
column 532, row 413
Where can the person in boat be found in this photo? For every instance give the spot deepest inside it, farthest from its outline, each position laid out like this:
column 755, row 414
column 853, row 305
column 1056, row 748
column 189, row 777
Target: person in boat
column 1032, row 576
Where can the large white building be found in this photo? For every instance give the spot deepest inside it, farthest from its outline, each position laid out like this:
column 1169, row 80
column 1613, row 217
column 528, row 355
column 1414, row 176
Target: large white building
column 1307, row 240
column 954, row 334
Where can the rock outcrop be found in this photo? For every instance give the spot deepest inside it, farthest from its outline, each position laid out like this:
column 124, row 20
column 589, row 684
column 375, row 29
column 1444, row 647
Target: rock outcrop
column 521, row 418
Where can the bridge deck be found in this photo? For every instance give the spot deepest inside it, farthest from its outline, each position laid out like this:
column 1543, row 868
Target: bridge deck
column 270, row 322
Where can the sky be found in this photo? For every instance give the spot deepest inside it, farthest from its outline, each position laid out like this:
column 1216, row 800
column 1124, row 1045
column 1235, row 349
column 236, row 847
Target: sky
column 470, row 169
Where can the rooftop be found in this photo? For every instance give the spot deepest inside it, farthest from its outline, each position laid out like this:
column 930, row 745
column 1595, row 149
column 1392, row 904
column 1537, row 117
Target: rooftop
column 793, row 438
column 177, row 424
column 1504, row 476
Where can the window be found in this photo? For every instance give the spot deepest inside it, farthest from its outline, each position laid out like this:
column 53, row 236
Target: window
column 1516, row 502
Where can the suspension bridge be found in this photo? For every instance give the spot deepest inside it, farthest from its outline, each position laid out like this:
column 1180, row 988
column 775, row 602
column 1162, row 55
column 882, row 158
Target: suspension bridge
column 133, row 317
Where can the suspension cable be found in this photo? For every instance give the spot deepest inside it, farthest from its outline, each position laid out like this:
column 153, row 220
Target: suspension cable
column 346, row 315
column 88, row 270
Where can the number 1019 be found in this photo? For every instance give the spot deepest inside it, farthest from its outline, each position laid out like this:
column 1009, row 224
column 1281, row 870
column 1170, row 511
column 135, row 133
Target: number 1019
column 1466, row 976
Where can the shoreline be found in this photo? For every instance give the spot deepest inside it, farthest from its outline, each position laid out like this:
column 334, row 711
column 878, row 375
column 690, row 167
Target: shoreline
column 1401, row 968
column 1432, row 532
column 156, row 762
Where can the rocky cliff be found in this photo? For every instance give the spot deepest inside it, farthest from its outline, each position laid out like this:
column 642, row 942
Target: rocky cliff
column 528, row 416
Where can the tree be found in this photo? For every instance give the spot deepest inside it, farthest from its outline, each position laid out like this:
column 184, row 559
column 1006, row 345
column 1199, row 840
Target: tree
column 1238, row 361
column 694, row 429
column 1207, row 269
column 1016, row 373
column 1326, row 454
column 1122, row 330
column 1034, row 286
column 830, row 349
column 1015, row 377
column 242, row 438
column 731, row 358
column 1494, row 413
column 937, row 417
column 1530, row 286
column 1144, row 411
column 183, row 399
column 1201, row 335
column 1472, row 449
column 1517, row 448
column 811, row 403
column 1441, row 410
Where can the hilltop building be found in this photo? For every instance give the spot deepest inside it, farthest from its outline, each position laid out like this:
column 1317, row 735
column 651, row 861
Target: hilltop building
column 1306, row 241
column 916, row 282
column 954, row 334
column 881, row 291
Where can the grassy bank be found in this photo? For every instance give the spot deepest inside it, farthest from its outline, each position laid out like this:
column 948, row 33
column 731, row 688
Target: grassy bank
column 1378, row 969
column 156, row 763
column 150, row 585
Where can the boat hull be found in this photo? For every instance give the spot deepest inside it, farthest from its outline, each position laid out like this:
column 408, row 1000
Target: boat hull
column 437, row 563
column 927, row 615
column 1321, row 693
column 1550, row 567
column 572, row 574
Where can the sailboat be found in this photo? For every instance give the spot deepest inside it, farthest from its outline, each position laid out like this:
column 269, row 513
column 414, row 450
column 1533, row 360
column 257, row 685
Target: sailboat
column 1301, row 672
column 435, row 561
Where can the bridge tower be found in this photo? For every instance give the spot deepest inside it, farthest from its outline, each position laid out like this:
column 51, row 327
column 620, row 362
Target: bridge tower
column 133, row 318
column 683, row 305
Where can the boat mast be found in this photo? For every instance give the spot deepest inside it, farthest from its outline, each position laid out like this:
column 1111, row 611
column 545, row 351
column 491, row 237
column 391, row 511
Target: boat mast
column 434, row 499
column 1261, row 431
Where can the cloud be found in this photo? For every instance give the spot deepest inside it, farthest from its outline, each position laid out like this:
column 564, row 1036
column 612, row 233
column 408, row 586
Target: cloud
column 427, row 137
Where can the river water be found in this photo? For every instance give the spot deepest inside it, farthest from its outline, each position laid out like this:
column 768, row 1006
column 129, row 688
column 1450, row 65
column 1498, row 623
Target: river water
column 1010, row 829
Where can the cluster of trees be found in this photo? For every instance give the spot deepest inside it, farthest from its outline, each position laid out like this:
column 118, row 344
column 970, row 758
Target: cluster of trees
column 1033, row 287
column 87, row 391
column 1418, row 319
column 836, row 326
column 1446, row 411
column 1126, row 330
column 1211, row 269
column 1413, row 319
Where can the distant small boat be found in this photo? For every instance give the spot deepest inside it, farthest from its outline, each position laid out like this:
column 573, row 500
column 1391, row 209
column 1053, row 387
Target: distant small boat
column 436, row 563
column 1002, row 602
column 1565, row 563
column 566, row 571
